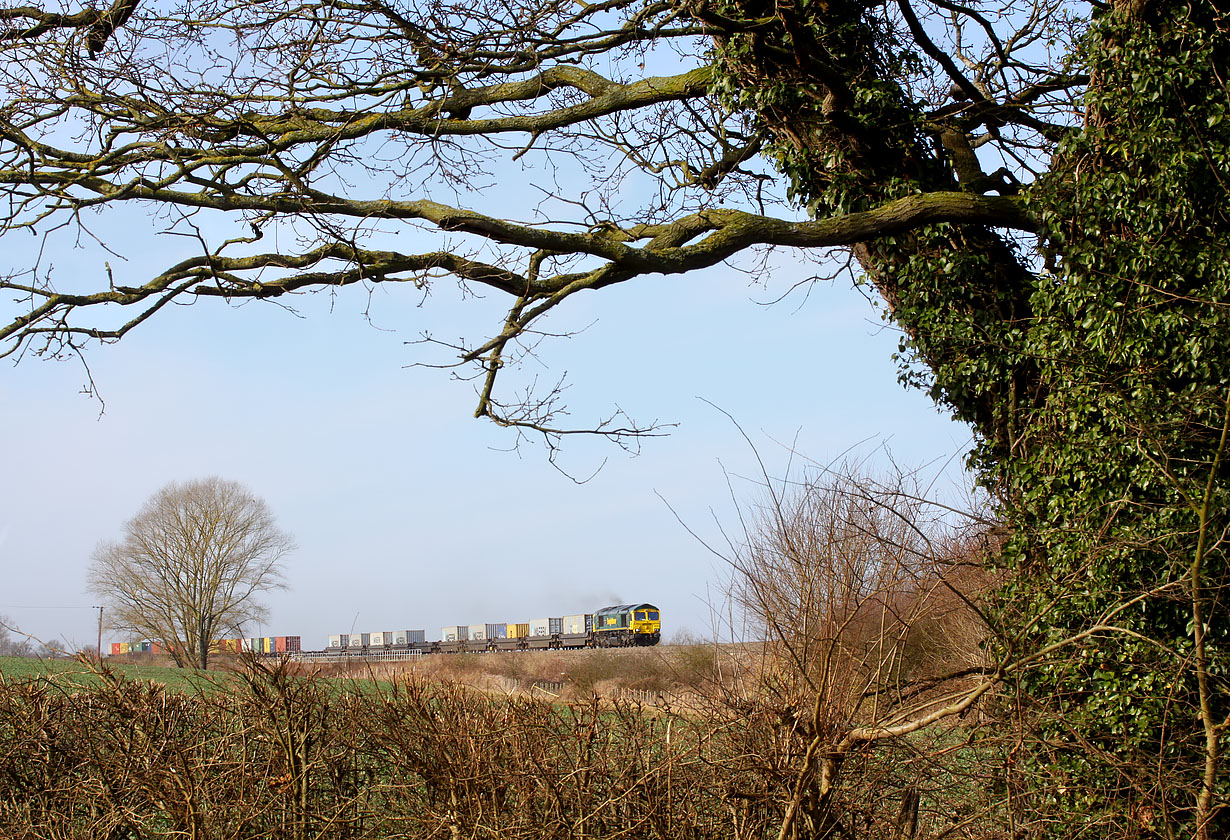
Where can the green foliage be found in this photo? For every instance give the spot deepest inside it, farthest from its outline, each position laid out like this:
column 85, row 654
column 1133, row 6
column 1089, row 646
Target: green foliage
column 1097, row 386
column 1130, row 337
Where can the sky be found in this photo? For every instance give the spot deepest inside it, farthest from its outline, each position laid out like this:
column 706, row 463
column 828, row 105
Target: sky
column 409, row 513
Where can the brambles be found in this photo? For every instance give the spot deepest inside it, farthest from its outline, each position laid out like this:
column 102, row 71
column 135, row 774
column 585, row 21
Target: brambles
column 276, row 754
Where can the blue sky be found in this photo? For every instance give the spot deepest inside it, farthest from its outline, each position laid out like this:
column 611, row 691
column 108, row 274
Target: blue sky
column 408, row 512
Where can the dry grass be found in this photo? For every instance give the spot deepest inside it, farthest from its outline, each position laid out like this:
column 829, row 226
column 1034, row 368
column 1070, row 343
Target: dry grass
column 675, row 670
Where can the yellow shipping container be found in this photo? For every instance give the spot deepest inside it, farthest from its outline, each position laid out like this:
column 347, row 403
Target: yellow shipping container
column 518, row 631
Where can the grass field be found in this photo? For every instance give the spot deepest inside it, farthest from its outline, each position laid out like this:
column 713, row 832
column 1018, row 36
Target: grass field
column 71, row 672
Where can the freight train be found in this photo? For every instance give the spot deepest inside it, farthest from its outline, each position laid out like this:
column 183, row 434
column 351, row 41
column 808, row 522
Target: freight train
column 622, row 625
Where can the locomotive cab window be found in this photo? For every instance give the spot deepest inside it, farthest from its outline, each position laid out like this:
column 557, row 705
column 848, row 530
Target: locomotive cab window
column 653, row 615
column 641, row 615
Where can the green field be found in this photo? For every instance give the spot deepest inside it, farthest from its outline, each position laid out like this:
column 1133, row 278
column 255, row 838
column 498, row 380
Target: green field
column 71, row 672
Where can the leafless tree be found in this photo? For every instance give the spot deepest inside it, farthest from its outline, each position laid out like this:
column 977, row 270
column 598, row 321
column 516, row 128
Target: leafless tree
column 345, row 129
column 12, row 643
column 866, row 595
column 191, row 566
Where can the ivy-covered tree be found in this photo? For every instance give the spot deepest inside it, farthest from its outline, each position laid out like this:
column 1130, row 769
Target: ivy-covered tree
column 1036, row 190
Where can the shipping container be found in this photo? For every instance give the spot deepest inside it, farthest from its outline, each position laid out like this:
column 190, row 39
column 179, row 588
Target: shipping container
column 577, row 624
column 557, row 625
column 518, row 631
column 115, row 649
column 540, row 627
column 293, row 644
column 416, row 637
column 478, row 632
column 460, row 633
column 335, row 640
column 364, row 638
column 123, row 647
column 497, row 631
column 378, row 639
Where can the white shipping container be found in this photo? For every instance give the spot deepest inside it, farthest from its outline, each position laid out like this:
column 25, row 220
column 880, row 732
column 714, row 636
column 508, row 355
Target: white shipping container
column 478, row 632
column 540, row 627
column 399, row 637
column 377, row 639
column 460, row 633
column 576, row 624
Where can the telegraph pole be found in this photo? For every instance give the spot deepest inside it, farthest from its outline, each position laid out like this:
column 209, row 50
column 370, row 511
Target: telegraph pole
column 99, row 648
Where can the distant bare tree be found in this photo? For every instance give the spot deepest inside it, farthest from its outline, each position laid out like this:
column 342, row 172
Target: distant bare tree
column 191, row 566
column 11, row 641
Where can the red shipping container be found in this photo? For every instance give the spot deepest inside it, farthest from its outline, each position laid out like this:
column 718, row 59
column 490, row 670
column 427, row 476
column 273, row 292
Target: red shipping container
column 115, row 648
column 279, row 644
